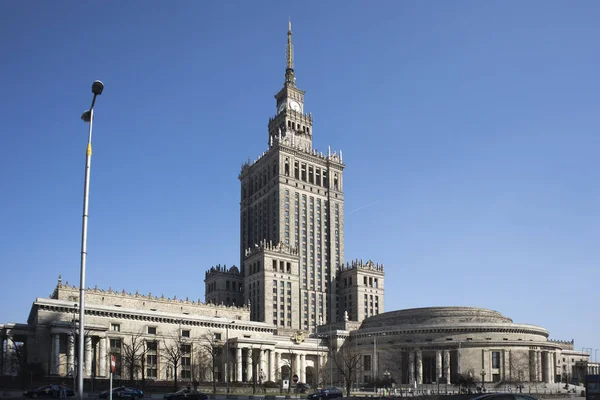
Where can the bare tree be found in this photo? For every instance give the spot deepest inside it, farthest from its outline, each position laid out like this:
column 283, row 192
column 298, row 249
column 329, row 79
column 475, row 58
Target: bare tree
column 257, row 372
column 348, row 361
column 132, row 354
column 518, row 363
column 210, row 348
column 172, row 352
column 202, row 365
column 289, row 364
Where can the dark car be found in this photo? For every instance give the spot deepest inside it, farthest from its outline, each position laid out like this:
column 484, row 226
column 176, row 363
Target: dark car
column 302, row 387
column 504, row 396
column 323, row 394
column 188, row 394
column 123, row 392
column 47, row 391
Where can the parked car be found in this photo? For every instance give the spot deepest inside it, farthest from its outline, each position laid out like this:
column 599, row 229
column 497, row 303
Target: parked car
column 187, row 394
column 504, row 396
column 123, row 392
column 323, row 394
column 302, row 387
column 47, row 391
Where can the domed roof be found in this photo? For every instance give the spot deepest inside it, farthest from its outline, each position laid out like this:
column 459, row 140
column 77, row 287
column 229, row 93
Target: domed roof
column 435, row 316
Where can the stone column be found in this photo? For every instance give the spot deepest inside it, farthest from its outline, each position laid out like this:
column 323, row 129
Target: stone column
column 55, row 354
column 296, row 364
column 302, row 374
column 419, row 355
column 1, row 356
column 238, row 360
column 438, row 365
column 103, row 358
column 88, row 356
column 259, row 368
column 272, row 366
column 446, row 362
column 249, row 365
column 539, row 363
column 70, row 353
column 10, row 349
column 548, row 358
column 400, row 379
column 278, row 364
column 411, row 367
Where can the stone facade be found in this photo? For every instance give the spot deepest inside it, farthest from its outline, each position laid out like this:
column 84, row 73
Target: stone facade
column 293, row 307
column 292, row 196
column 413, row 347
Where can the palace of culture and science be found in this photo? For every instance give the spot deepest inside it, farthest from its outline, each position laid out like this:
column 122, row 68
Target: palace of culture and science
column 292, row 308
column 292, row 230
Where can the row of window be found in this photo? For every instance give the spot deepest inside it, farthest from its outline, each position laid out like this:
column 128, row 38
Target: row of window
column 152, row 359
column 229, row 285
column 311, row 174
column 150, row 330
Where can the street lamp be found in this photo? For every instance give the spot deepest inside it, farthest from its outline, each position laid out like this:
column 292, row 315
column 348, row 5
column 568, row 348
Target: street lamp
column 227, row 354
column 73, row 344
column 374, row 366
column 483, row 379
column 386, row 378
column 87, row 116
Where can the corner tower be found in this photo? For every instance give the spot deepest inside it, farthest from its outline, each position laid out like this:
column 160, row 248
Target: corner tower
column 292, row 203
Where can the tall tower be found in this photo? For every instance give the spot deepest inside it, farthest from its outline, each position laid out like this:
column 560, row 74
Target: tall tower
column 292, row 219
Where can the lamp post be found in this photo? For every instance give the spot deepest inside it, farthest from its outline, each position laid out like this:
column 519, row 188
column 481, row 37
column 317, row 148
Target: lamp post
column 74, row 336
column 374, row 366
column 483, row 379
column 227, row 354
column 87, row 116
column 386, row 378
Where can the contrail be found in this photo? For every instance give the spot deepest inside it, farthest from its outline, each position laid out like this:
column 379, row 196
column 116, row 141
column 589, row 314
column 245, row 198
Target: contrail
column 365, row 206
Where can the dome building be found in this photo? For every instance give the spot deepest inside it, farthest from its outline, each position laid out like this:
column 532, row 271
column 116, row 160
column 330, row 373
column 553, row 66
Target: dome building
column 444, row 344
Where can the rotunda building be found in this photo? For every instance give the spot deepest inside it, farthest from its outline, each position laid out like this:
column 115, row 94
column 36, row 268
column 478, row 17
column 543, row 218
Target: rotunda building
column 443, row 344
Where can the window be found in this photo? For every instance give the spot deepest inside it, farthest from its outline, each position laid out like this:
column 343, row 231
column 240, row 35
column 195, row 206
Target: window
column 151, row 330
column 115, row 349
column 151, row 359
column 151, row 366
column 495, row 359
column 367, row 362
column 185, row 333
column 186, row 362
column 217, row 336
column 115, row 327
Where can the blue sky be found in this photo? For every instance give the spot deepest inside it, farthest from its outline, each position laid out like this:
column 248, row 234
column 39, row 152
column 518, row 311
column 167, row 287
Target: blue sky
column 469, row 130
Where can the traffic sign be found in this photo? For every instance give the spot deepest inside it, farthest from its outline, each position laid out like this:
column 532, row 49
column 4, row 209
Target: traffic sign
column 113, row 363
column 295, row 378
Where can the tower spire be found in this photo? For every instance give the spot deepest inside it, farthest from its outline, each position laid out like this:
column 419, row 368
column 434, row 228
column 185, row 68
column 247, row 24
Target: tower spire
column 290, row 80
column 290, row 48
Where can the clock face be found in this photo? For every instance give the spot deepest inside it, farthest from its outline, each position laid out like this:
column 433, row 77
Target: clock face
column 295, row 106
column 281, row 107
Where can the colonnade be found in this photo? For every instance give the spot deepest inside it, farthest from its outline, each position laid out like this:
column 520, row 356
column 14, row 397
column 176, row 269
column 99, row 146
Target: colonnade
column 415, row 365
column 270, row 363
column 542, row 366
column 91, row 343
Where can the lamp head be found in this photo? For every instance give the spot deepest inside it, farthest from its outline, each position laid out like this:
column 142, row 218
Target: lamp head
column 97, row 87
column 86, row 116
